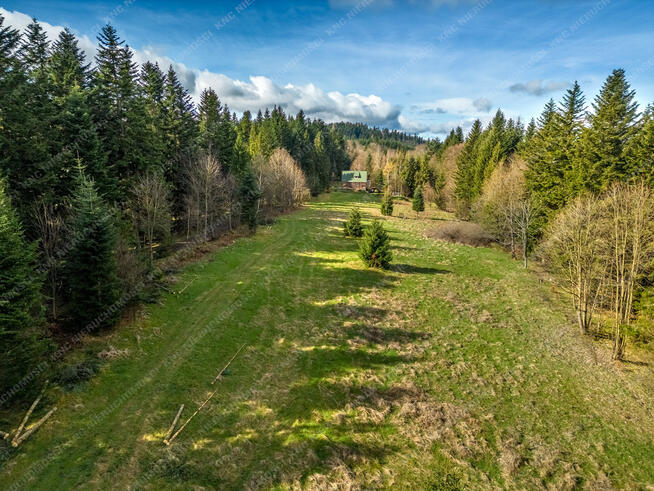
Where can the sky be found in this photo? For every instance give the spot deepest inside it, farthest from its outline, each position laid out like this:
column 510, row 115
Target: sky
column 422, row 66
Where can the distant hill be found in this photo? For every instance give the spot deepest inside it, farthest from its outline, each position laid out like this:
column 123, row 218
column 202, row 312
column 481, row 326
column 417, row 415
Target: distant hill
column 385, row 137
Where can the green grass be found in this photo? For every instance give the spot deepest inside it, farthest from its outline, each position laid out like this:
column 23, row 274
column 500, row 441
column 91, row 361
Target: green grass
column 454, row 369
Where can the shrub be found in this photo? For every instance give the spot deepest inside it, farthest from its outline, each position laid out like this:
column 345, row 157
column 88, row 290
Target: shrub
column 376, row 247
column 418, row 201
column 353, row 227
column 387, row 204
column 462, row 233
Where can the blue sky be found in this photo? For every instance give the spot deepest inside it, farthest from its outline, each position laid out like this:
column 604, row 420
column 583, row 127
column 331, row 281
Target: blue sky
column 419, row 65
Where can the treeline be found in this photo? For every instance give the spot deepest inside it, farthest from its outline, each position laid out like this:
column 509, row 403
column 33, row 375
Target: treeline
column 576, row 187
column 402, row 172
column 102, row 165
column 393, row 139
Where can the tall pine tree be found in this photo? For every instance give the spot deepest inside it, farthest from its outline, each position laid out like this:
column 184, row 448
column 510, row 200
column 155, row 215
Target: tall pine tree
column 21, row 310
column 612, row 123
column 91, row 281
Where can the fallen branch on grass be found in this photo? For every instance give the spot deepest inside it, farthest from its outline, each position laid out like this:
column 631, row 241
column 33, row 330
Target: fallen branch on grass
column 228, row 363
column 184, row 289
column 168, row 441
column 172, row 426
column 36, row 426
column 28, row 414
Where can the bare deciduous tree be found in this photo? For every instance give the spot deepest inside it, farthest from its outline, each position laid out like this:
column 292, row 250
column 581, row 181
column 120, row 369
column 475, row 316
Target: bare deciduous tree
column 206, row 195
column 50, row 223
column 573, row 248
column 151, row 209
column 629, row 211
column 504, row 209
column 281, row 181
column 523, row 217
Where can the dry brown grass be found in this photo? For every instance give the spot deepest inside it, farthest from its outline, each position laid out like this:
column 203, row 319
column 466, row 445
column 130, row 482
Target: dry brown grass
column 461, row 233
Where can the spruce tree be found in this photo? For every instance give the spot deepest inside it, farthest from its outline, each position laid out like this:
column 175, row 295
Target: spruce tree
column 119, row 114
column 249, row 197
column 612, row 124
column 639, row 152
column 76, row 135
column 152, row 81
column 21, row 312
column 491, row 151
column 91, row 281
column 352, row 227
column 408, row 170
column 546, row 175
column 67, row 67
column 180, row 124
column 465, row 170
column 27, row 123
column 35, row 50
column 387, row 203
column 209, row 113
column 418, row 203
column 375, row 249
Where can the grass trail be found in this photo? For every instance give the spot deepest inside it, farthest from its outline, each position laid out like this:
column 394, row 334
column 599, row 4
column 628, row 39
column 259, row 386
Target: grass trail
column 456, row 368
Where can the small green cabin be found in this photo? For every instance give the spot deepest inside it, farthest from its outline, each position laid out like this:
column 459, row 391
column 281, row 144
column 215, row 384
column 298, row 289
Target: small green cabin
column 354, row 179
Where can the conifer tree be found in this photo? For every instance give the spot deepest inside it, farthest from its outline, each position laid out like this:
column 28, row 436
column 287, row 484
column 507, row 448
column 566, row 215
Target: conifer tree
column 418, row 203
column 639, row 152
column 530, row 132
column 75, row 135
column 67, row 67
column 387, row 203
column 375, row 249
column 119, row 114
column 465, row 170
column 352, row 227
column 152, row 82
column 77, row 142
column 35, row 50
column 91, row 281
column 571, row 111
column 21, row 310
column 250, row 194
column 611, row 125
column 408, row 170
column 490, row 152
column 209, row 114
column 546, row 176
column 181, row 127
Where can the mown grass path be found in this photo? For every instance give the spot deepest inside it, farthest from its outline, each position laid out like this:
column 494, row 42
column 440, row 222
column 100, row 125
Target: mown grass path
column 456, row 368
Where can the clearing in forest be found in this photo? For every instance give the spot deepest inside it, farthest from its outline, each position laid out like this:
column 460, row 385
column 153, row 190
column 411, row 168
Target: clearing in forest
column 456, row 368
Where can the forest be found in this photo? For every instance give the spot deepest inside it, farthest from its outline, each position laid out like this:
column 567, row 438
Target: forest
column 459, row 311
column 106, row 169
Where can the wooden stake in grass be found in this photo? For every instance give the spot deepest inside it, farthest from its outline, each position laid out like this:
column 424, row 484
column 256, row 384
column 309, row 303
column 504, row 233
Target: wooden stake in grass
column 228, row 363
column 25, row 436
column 28, row 414
column 172, row 426
column 169, row 440
column 184, row 289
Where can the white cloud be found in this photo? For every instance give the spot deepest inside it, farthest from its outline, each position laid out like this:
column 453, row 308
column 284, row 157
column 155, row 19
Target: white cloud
column 483, row 104
column 260, row 92
column 19, row 20
column 537, row 87
column 442, row 129
column 456, row 105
